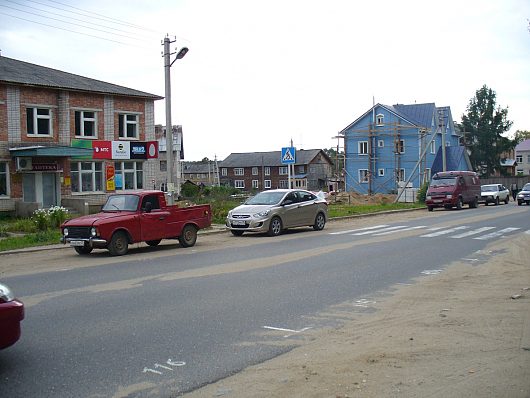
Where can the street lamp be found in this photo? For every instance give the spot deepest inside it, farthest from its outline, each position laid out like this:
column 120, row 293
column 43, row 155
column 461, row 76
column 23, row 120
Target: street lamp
column 169, row 127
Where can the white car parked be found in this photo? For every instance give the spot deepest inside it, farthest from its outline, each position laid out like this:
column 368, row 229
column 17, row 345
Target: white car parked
column 494, row 193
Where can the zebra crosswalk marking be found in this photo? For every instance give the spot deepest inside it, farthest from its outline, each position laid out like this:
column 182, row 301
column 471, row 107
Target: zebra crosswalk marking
column 444, row 232
column 496, row 233
column 401, row 230
column 359, row 229
column 381, row 230
column 474, row 232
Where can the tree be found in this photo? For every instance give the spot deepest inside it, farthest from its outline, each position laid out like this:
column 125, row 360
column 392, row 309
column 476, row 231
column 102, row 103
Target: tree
column 521, row 135
column 484, row 126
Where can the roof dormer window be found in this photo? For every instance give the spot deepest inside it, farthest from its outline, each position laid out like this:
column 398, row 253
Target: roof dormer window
column 380, row 119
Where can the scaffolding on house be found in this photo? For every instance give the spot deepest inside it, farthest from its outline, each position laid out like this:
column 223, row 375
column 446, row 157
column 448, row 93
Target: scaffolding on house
column 398, row 132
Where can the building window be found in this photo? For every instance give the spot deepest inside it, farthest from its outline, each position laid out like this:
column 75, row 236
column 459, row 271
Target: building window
column 129, row 175
column 519, row 158
column 528, row 159
column 267, row 171
column 284, row 184
column 255, row 184
column 427, row 175
column 381, row 143
column 433, row 147
column 128, row 125
column 300, row 169
column 401, row 175
column 163, row 165
column 381, row 172
column 283, row 170
column 363, row 176
column 4, row 182
column 85, row 124
column 268, row 184
column 363, row 147
column 87, row 176
column 380, row 119
column 519, row 171
column 254, row 171
column 239, row 171
column 224, row 171
column 400, row 146
column 239, row 184
column 39, row 121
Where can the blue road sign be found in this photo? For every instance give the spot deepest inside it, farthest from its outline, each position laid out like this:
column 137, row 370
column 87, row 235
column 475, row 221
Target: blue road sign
column 289, row 155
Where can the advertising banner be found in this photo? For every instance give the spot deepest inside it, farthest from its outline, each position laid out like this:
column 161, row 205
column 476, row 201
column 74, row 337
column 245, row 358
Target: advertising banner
column 102, row 149
column 110, row 172
column 138, row 150
column 121, row 150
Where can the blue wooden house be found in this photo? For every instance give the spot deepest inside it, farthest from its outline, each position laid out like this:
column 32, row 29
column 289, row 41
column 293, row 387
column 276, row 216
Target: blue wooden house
column 390, row 146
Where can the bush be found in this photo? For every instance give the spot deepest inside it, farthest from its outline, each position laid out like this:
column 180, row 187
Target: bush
column 57, row 215
column 422, row 192
column 41, row 219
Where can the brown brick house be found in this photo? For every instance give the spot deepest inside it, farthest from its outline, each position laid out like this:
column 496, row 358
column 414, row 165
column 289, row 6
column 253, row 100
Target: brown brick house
column 264, row 170
column 51, row 125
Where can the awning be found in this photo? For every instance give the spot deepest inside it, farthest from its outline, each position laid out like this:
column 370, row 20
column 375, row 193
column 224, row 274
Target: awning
column 300, row 176
column 50, row 151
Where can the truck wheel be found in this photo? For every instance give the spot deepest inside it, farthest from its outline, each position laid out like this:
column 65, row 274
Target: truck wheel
column 119, row 244
column 430, row 208
column 275, row 227
column 83, row 250
column 474, row 204
column 188, row 237
column 236, row 233
column 320, row 222
column 459, row 204
column 153, row 242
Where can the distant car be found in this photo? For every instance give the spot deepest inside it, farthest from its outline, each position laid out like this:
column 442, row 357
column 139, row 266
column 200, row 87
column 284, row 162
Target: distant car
column 524, row 195
column 494, row 193
column 11, row 314
column 275, row 210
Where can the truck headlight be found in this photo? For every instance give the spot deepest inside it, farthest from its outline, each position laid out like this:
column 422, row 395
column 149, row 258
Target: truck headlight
column 449, row 196
column 6, row 294
column 93, row 231
column 429, row 197
column 65, row 232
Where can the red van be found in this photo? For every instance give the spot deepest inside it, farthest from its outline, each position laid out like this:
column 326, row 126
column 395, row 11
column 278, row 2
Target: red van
column 453, row 189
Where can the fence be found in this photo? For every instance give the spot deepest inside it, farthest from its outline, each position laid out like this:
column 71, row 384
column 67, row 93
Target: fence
column 506, row 181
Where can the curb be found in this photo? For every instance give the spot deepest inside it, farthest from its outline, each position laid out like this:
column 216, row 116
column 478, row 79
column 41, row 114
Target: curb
column 217, row 228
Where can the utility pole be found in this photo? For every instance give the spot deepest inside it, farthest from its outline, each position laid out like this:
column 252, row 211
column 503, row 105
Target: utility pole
column 169, row 127
column 442, row 124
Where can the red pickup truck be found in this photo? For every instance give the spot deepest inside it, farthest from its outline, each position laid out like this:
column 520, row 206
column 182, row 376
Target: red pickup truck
column 134, row 217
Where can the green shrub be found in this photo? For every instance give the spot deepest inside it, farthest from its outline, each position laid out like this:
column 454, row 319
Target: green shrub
column 422, row 192
column 41, row 218
column 57, row 215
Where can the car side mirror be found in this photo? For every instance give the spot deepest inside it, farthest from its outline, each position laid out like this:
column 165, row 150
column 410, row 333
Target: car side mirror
column 148, row 207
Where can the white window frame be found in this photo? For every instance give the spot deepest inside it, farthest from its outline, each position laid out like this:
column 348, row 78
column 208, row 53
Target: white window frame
column 400, row 146
column 255, row 184
column 80, row 172
column 224, row 171
column 381, row 172
column 240, row 184
column 267, row 171
column 362, row 147
column 239, row 171
column 35, row 120
column 283, row 170
column 284, row 184
column 254, row 171
column 433, row 147
column 381, row 143
column 4, row 177
column 527, row 158
column 119, row 167
column 363, row 176
column 85, row 119
column 380, row 119
column 125, row 123
column 300, row 169
column 267, row 184
column 427, row 174
column 401, row 175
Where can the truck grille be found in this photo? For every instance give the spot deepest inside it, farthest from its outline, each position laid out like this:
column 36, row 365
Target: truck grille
column 79, row 232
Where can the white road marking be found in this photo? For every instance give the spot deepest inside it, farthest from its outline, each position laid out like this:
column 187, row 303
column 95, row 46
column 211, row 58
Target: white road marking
column 365, row 303
column 357, row 230
column 380, row 230
column 157, row 365
column 152, row 371
column 431, row 271
column 286, row 330
column 401, row 230
column 496, row 234
column 474, row 232
column 444, row 232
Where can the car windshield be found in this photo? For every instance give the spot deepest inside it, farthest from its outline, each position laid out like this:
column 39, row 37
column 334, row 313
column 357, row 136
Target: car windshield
column 526, row 187
column 442, row 182
column 266, row 198
column 488, row 188
column 121, row 203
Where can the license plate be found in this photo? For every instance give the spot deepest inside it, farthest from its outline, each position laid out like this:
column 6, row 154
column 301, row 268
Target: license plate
column 437, row 201
column 77, row 243
column 238, row 222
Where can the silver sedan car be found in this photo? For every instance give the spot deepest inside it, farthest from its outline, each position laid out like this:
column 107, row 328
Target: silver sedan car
column 275, row 210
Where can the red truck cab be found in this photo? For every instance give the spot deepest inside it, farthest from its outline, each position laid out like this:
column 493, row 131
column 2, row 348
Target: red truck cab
column 453, row 189
column 134, row 217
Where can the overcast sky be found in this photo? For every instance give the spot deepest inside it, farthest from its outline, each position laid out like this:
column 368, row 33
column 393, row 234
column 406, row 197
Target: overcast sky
column 260, row 73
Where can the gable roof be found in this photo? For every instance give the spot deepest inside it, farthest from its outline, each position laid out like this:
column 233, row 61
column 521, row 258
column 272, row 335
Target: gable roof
column 13, row 71
column 252, row 159
column 523, row 146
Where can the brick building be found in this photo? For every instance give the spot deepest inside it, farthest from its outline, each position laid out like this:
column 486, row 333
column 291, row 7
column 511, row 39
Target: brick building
column 70, row 140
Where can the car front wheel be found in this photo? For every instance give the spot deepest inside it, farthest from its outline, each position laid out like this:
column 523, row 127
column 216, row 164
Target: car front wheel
column 275, row 227
column 83, row 250
column 119, row 244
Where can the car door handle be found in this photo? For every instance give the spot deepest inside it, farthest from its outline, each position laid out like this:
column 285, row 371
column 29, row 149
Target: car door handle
column 161, row 218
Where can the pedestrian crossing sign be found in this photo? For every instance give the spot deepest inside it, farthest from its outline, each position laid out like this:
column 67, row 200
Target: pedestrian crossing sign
column 288, row 155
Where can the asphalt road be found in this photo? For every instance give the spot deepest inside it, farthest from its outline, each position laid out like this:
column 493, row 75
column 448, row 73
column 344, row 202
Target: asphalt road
column 163, row 321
